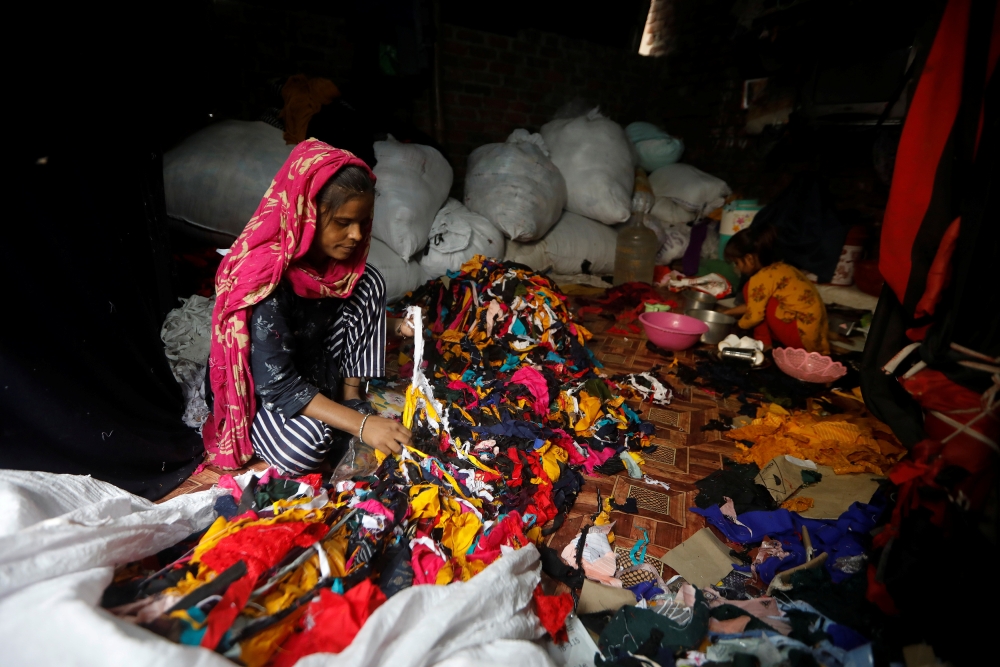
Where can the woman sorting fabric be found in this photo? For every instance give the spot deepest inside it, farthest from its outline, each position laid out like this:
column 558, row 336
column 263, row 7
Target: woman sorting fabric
column 299, row 322
column 782, row 307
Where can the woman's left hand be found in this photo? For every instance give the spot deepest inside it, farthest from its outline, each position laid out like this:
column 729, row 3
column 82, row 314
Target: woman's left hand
column 401, row 326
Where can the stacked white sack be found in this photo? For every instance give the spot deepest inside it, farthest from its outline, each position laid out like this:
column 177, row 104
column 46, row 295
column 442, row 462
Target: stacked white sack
column 598, row 163
column 413, row 183
column 688, row 187
column 457, row 235
column 574, row 245
column 516, row 186
column 400, row 275
column 216, row 178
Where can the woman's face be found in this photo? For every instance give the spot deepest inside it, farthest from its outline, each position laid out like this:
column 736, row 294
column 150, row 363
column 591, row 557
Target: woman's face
column 339, row 232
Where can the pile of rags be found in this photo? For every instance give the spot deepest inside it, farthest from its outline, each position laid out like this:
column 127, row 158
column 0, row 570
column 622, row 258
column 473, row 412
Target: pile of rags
column 846, row 442
column 506, row 411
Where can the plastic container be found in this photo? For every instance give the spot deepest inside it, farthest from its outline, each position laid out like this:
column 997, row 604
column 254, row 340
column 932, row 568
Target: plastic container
column 672, row 331
column 808, row 366
column 635, row 252
column 853, row 248
column 737, row 215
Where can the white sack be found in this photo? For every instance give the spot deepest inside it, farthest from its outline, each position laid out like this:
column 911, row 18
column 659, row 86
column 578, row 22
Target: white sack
column 57, row 524
column 457, row 235
column 63, row 534
column 216, row 178
column 690, row 187
column 413, row 183
column 598, row 163
column 400, row 276
column 516, row 186
column 669, row 211
column 674, row 240
column 572, row 241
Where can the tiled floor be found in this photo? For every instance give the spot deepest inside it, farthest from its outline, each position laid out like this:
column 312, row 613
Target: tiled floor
column 684, row 455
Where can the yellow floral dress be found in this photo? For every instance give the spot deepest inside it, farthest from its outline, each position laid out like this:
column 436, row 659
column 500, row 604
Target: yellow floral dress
column 778, row 296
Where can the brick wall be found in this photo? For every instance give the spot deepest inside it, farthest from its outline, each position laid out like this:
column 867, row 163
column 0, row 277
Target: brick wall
column 493, row 84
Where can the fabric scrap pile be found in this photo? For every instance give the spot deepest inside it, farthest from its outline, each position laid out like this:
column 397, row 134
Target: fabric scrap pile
column 848, row 443
column 507, row 410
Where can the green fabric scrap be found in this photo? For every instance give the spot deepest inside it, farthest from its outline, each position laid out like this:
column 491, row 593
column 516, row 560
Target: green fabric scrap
column 811, row 476
column 631, row 626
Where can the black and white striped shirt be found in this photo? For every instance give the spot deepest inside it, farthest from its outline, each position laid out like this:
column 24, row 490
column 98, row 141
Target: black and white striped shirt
column 301, row 347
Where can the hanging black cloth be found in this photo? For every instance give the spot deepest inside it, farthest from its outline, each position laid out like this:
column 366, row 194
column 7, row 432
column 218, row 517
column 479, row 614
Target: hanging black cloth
column 84, row 384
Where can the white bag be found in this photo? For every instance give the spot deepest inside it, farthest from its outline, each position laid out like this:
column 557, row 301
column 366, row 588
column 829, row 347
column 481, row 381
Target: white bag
column 457, row 235
column 216, row 178
column 400, row 276
column 62, row 535
column 516, row 186
column 598, row 163
column 669, row 211
column 573, row 242
column 413, row 183
column 690, row 187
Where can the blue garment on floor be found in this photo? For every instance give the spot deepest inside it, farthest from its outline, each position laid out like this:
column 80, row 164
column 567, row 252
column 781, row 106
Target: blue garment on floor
column 847, row 536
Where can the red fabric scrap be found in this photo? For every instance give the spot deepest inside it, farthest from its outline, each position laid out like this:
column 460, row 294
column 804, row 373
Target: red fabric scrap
column 261, row 548
column 552, row 611
column 330, row 623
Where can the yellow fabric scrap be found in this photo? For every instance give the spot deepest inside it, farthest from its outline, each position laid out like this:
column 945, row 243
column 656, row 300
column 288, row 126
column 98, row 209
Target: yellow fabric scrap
column 459, row 529
column 590, row 406
column 259, row 649
column 551, row 455
column 798, row 504
column 845, row 442
column 425, row 501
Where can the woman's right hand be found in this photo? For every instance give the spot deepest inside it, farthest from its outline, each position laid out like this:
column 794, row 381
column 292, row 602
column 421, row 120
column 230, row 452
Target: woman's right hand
column 386, row 435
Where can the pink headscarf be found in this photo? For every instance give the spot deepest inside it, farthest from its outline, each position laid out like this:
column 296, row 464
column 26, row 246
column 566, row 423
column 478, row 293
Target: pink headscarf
column 272, row 246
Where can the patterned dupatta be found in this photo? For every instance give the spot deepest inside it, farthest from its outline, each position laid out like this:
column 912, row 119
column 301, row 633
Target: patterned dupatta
column 272, row 246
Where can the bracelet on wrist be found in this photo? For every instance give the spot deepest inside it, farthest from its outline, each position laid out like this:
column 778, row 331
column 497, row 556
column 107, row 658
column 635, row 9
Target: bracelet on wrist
column 361, row 429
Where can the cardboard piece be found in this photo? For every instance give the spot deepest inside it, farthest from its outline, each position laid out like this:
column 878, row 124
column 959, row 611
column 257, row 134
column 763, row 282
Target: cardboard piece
column 595, row 597
column 782, row 477
column 832, row 496
column 702, row 559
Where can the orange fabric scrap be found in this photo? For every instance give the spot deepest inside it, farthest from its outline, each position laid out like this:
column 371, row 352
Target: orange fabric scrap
column 798, row 504
column 846, row 442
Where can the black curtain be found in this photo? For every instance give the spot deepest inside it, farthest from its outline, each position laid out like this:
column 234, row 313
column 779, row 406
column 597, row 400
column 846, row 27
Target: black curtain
column 84, row 384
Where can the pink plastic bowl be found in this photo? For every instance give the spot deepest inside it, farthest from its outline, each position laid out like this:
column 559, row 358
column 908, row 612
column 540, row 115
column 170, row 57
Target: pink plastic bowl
column 808, row 366
column 672, row 331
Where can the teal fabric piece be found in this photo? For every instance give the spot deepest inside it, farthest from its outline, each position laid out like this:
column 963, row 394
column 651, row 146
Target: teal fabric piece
column 189, row 635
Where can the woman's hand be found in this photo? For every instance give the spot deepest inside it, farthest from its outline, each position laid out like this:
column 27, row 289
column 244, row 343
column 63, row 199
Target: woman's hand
column 737, row 311
column 401, row 327
column 386, row 435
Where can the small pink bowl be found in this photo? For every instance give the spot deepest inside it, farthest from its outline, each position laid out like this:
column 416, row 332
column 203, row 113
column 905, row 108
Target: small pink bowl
column 672, row 331
column 808, row 366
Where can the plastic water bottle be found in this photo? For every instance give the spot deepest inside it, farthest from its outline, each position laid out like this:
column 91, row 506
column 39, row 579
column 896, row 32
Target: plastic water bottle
column 635, row 252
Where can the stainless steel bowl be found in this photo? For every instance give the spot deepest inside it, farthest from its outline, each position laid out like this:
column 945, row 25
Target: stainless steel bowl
column 719, row 325
column 695, row 300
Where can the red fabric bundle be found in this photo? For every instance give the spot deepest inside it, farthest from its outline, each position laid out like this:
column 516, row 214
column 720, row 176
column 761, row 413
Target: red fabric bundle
column 330, row 623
